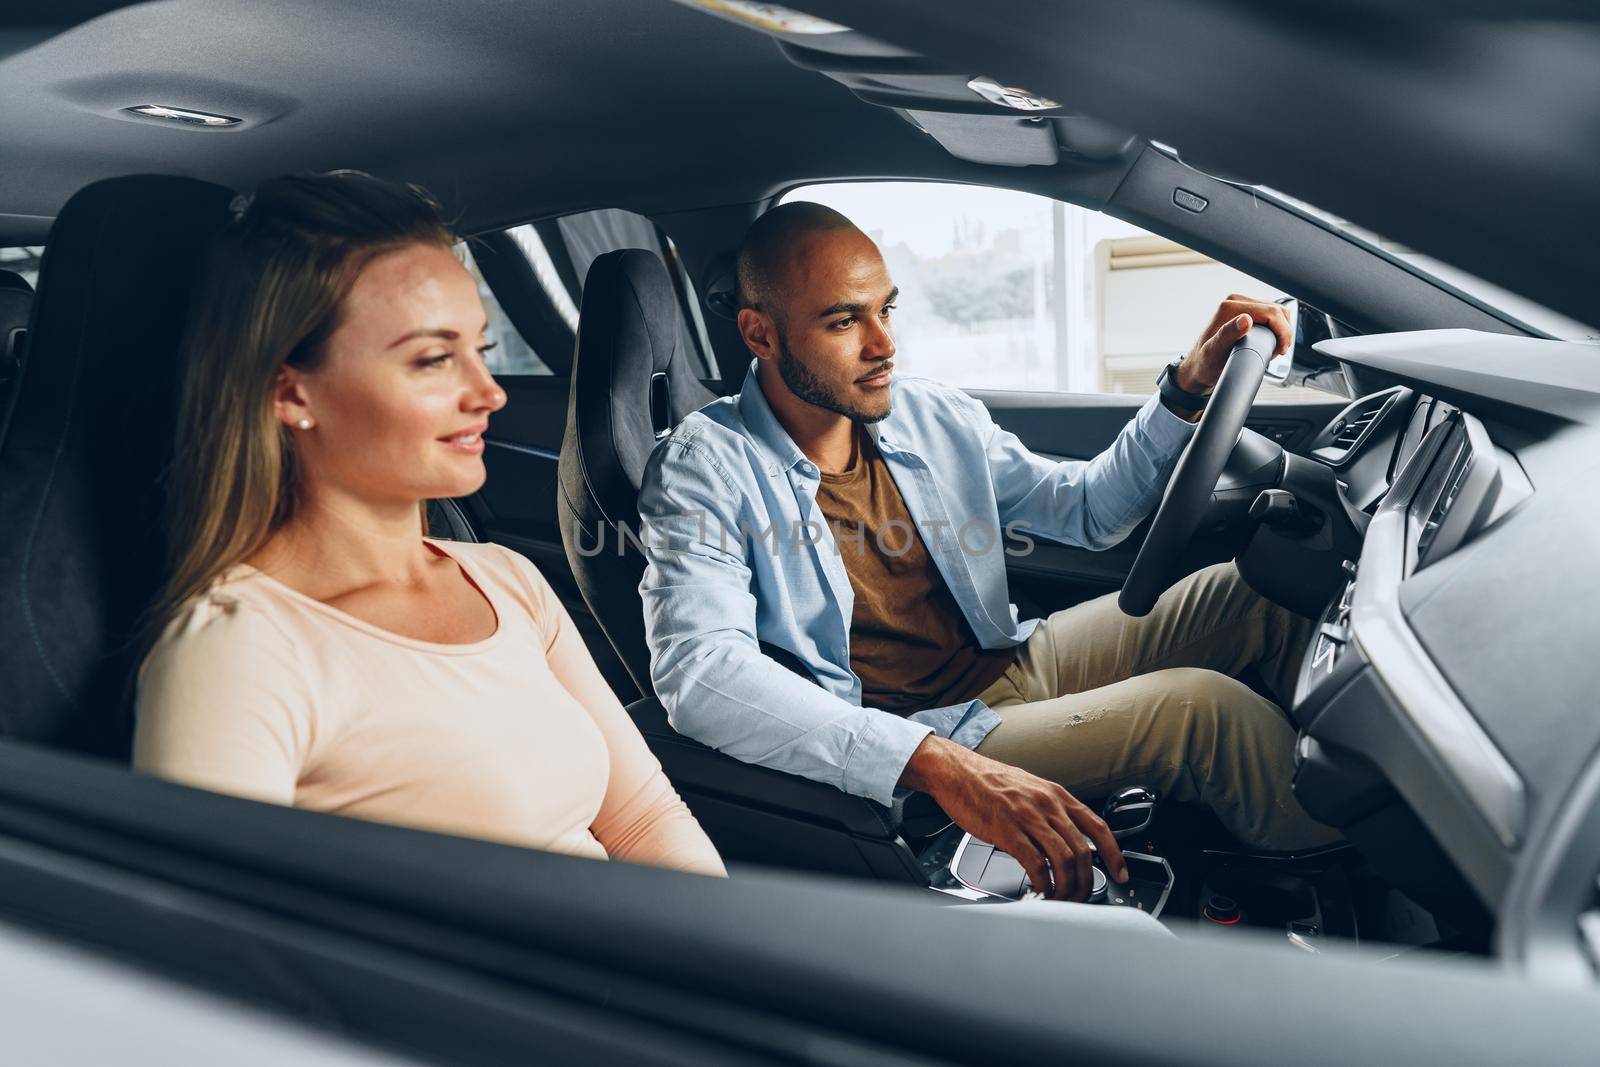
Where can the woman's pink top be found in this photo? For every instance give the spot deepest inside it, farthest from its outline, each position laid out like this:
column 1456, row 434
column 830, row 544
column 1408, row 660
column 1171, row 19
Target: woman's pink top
column 263, row 692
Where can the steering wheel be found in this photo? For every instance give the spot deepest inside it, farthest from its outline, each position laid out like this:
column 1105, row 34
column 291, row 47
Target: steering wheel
column 1189, row 490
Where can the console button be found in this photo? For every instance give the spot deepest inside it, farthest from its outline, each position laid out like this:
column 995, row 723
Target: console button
column 1003, row 876
column 973, row 859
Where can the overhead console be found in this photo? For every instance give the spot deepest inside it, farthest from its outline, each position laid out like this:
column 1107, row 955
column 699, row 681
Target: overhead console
column 974, row 115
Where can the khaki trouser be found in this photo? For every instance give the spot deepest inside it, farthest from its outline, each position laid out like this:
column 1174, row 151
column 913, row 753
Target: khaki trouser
column 1097, row 701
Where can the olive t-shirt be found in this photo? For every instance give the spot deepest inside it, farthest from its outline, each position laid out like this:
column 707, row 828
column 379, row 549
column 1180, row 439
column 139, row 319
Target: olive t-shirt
column 909, row 642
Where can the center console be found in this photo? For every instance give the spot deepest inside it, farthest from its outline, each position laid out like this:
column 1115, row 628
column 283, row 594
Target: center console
column 1178, row 877
column 983, row 869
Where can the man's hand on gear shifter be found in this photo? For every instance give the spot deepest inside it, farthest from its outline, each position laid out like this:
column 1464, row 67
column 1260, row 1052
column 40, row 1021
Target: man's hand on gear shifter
column 1038, row 823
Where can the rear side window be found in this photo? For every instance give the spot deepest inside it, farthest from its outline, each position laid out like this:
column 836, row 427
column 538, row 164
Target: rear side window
column 533, row 310
column 512, row 353
column 24, row 260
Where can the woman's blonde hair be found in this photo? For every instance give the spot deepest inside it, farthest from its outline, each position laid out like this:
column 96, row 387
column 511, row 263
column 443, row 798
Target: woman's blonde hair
column 270, row 297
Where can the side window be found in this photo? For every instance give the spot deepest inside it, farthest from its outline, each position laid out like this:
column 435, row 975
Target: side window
column 512, row 354
column 24, row 260
column 533, row 311
column 1007, row 290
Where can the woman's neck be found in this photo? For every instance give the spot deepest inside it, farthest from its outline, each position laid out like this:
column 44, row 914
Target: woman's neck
column 334, row 546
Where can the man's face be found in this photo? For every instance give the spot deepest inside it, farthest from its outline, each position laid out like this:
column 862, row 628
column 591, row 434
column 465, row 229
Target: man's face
column 834, row 345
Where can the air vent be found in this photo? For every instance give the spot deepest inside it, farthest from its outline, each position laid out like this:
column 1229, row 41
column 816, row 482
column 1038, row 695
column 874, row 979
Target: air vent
column 1338, row 442
column 1348, row 431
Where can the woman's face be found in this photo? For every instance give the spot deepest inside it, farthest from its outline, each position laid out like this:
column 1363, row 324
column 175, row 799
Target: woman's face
column 399, row 404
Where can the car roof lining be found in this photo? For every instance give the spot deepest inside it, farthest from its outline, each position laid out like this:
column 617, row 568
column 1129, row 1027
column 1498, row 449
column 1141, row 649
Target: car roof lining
column 510, row 110
column 504, row 110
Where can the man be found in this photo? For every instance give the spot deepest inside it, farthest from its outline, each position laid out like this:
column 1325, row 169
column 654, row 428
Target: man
column 836, row 512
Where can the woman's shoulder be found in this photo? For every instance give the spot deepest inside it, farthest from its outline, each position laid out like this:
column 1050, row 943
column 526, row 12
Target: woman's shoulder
column 496, row 562
column 508, row 572
column 226, row 648
column 236, row 619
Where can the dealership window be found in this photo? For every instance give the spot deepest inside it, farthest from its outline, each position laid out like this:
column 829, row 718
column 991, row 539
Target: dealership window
column 1007, row 290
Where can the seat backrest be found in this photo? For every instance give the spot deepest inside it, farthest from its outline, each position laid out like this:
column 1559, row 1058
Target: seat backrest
column 632, row 382
column 83, row 450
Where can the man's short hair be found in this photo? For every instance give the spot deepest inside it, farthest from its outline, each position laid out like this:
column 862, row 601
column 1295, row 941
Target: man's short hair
column 770, row 239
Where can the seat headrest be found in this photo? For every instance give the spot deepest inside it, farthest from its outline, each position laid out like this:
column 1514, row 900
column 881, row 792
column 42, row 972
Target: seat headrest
column 631, row 378
column 88, row 437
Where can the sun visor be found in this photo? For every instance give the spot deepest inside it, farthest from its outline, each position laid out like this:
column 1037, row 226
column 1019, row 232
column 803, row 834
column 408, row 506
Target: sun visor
column 977, row 116
column 998, row 140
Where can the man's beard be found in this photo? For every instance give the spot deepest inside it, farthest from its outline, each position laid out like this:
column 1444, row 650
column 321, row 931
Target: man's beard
column 806, row 385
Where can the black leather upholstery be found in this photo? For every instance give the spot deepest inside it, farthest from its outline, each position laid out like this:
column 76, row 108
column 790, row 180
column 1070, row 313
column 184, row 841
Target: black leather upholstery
column 447, row 520
column 686, row 760
column 631, row 383
column 89, row 434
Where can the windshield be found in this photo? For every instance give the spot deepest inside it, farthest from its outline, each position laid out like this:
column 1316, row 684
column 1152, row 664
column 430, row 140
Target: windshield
column 1504, row 301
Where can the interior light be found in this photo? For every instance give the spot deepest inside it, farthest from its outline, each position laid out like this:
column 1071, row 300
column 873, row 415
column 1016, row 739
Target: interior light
column 774, row 18
column 178, row 114
column 1009, row 96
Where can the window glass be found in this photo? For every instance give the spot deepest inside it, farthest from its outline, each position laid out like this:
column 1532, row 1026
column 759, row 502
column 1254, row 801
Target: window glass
column 1518, row 307
column 589, row 234
column 511, row 354
column 24, row 260
column 1007, row 290
column 560, row 253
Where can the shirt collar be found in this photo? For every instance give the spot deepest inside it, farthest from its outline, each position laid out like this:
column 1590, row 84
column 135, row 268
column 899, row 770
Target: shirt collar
column 777, row 448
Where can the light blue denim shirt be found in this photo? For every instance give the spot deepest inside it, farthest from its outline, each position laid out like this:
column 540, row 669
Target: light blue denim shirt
column 739, row 552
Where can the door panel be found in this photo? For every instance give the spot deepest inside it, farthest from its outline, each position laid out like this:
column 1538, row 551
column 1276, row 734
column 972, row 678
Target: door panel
column 1080, row 426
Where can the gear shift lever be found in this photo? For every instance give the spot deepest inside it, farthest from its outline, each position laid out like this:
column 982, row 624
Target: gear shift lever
column 1129, row 811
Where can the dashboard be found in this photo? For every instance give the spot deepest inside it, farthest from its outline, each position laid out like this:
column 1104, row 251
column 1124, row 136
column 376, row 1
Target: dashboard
column 1445, row 705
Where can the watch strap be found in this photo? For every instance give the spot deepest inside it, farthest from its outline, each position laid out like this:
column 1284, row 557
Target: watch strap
column 1178, row 397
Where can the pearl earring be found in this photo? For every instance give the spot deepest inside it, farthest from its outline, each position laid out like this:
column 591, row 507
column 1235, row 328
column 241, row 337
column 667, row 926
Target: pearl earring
column 304, row 424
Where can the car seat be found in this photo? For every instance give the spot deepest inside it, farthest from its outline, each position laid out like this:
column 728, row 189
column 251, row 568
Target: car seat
column 82, row 452
column 631, row 384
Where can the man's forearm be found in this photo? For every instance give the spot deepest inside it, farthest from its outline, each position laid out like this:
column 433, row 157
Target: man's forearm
column 743, row 703
column 931, row 765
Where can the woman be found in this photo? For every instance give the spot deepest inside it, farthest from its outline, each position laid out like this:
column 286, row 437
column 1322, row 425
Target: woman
column 314, row 648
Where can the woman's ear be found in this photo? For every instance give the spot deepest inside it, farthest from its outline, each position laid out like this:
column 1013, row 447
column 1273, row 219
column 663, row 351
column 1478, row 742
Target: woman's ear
column 289, row 401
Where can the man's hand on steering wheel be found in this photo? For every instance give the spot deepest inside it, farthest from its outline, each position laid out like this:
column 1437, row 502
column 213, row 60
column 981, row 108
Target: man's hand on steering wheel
column 1202, row 367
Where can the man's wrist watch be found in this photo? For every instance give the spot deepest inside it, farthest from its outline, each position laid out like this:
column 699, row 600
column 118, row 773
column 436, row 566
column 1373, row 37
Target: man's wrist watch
column 1175, row 395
